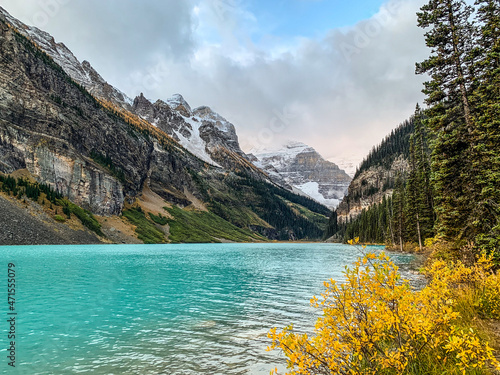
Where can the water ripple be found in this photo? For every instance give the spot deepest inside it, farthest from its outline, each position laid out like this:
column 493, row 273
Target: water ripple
column 186, row 309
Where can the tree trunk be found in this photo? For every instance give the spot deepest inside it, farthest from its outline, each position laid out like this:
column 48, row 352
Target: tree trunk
column 418, row 232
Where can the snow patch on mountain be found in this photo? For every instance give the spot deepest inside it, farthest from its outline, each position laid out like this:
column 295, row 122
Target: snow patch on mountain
column 207, row 114
column 311, row 189
column 195, row 144
column 281, row 157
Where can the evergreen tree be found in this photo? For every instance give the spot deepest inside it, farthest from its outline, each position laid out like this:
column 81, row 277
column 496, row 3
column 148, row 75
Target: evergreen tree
column 332, row 227
column 422, row 154
column 413, row 202
column 485, row 220
column 450, row 114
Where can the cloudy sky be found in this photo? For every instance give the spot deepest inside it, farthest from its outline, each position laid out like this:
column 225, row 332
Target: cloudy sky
column 335, row 74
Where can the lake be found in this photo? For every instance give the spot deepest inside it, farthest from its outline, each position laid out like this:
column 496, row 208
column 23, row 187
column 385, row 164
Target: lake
column 162, row 309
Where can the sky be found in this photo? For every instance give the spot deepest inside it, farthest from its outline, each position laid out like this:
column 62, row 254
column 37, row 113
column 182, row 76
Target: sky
column 337, row 75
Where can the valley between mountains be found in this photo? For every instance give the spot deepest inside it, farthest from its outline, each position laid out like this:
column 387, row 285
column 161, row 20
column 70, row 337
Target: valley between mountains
column 81, row 162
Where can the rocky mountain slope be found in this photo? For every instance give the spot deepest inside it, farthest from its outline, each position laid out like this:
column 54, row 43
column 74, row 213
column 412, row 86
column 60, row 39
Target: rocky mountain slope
column 203, row 132
column 93, row 149
column 303, row 168
column 82, row 73
column 376, row 176
column 26, row 224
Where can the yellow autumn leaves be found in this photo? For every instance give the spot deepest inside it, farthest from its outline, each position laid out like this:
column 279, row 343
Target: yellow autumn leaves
column 374, row 323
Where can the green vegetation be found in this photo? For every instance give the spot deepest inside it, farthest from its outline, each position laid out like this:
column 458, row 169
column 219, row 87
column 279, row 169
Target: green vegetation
column 84, row 216
column 408, row 215
column 451, row 188
column 272, row 205
column 332, row 228
column 20, row 187
column 158, row 219
column 463, row 118
column 200, row 226
column 275, row 213
column 320, row 220
column 59, row 218
column 146, row 230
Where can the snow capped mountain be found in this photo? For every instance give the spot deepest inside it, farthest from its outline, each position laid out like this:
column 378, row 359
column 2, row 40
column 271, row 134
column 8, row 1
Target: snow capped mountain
column 303, row 168
column 177, row 103
column 201, row 131
column 282, row 157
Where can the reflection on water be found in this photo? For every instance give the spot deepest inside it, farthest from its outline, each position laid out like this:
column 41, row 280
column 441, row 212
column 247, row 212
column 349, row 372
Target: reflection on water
column 165, row 309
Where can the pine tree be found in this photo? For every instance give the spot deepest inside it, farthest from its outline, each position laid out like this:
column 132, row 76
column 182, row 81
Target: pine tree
column 485, row 220
column 450, row 114
column 332, row 227
column 412, row 198
column 426, row 217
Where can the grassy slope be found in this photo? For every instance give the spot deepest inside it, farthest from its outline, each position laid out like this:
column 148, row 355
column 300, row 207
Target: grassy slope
column 201, row 226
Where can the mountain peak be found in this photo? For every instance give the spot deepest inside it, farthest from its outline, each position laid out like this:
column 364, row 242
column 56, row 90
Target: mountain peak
column 207, row 114
column 178, row 103
column 289, row 150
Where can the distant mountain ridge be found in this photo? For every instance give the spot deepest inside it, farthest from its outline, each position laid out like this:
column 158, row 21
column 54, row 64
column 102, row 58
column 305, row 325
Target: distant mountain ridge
column 303, row 168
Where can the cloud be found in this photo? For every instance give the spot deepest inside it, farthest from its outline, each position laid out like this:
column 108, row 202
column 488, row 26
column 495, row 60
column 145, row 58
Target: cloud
column 116, row 36
column 341, row 92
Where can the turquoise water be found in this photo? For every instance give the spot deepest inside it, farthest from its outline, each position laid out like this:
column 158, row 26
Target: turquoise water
column 161, row 309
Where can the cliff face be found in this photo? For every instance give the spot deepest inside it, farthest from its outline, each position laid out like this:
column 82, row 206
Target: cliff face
column 55, row 137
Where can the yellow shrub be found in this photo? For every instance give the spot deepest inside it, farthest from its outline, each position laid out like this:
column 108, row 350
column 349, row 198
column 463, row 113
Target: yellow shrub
column 489, row 297
column 375, row 324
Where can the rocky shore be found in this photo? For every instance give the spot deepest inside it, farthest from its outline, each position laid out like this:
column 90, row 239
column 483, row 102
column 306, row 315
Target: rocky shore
column 27, row 224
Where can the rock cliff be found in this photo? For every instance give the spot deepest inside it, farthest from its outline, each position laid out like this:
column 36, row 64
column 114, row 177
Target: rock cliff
column 376, row 175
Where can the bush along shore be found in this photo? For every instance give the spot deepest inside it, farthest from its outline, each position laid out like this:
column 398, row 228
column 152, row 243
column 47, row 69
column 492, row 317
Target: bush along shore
column 375, row 323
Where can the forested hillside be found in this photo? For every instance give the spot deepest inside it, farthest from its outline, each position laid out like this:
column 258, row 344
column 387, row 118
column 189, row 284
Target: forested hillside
column 394, row 145
column 376, row 177
column 450, row 189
